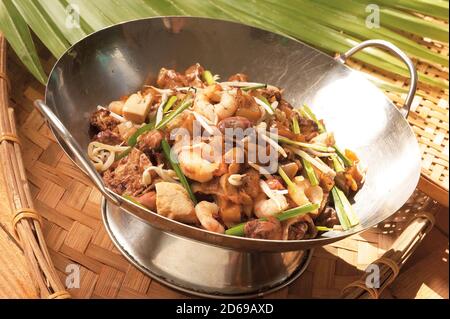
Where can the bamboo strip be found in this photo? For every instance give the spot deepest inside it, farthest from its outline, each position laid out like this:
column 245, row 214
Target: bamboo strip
column 28, row 229
column 393, row 260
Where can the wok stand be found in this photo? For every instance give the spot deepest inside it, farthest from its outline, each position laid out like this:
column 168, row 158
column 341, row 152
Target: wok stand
column 197, row 268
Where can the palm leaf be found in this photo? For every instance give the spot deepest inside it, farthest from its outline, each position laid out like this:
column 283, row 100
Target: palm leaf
column 16, row 31
column 93, row 17
column 331, row 26
column 42, row 25
column 356, row 26
column 56, row 10
column 392, row 18
column 433, row 8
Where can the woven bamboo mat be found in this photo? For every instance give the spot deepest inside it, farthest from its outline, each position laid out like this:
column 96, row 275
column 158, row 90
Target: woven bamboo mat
column 75, row 234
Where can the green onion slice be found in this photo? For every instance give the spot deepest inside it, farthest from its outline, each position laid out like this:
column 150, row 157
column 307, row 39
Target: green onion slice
column 166, row 149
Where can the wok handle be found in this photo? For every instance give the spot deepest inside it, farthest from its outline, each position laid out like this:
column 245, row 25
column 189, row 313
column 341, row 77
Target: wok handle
column 69, row 141
column 397, row 52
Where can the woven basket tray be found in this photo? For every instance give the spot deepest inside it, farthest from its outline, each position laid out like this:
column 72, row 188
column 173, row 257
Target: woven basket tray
column 75, row 234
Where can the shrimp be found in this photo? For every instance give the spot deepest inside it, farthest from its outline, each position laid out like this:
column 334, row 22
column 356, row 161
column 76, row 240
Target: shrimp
column 265, row 207
column 194, row 165
column 303, row 193
column 205, row 212
column 215, row 104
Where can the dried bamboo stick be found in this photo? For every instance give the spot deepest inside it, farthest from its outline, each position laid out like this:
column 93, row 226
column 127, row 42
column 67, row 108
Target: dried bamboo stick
column 394, row 259
column 27, row 224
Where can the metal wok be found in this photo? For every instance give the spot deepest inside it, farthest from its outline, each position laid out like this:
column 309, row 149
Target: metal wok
column 118, row 60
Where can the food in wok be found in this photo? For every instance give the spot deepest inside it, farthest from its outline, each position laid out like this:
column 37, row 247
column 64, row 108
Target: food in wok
column 230, row 157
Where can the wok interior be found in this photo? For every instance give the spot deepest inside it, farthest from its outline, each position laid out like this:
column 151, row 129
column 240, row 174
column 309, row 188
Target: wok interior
column 119, row 60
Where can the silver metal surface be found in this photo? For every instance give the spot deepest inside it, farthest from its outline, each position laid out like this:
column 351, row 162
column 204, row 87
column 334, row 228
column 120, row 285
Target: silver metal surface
column 198, row 268
column 402, row 56
column 118, row 60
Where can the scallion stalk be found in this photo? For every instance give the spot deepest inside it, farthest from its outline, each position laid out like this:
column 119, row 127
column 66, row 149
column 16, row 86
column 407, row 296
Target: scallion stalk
column 186, row 103
column 238, row 230
column 317, row 147
column 340, row 210
column 208, row 77
column 166, row 149
column 286, row 179
column 310, row 173
column 295, row 125
column 170, row 103
column 342, row 156
column 323, row 228
column 310, row 114
column 337, row 164
column 349, row 211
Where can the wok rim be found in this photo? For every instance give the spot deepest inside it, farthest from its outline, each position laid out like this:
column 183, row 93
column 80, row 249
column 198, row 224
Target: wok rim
column 272, row 245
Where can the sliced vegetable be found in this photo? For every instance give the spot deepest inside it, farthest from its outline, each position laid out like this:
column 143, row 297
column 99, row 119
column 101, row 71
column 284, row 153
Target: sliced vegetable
column 310, row 173
column 342, row 156
column 323, row 228
column 295, row 126
column 340, row 210
column 349, row 211
column 286, row 179
column 310, row 114
column 288, row 214
column 170, row 103
column 166, row 149
column 337, row 164
column 262, row 101
column 186, row 104
column 316, row 162
column 317, row 147
column 208, row 77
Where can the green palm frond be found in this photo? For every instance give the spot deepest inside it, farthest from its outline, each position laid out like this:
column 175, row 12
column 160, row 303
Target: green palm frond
column 330, row 26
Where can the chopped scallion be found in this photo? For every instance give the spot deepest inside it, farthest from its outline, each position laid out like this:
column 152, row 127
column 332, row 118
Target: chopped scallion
column 166, row 149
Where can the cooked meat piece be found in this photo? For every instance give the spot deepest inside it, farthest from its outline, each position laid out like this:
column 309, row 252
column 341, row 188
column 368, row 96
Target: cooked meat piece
column 326, row 182
column 328, row 218
column 297, row 228
column 193, row 75
column 238, row 77
column 307, row 127
column 275, row 183
column 170, row 79
column 108, row 137
column 150, row 141
column 297, row 231
column 247, row 107
column 229, row 212
column 125, row 178
column 250, row 183
column 270, row 229
column 341, row 182
column 234, row 122
column 173, row 201
column 101, row 120
column 148, row 200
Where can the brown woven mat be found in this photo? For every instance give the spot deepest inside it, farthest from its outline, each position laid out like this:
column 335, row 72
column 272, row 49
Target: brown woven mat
column 75, row 235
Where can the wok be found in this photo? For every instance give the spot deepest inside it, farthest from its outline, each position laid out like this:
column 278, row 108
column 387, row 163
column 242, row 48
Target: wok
column 118, row 60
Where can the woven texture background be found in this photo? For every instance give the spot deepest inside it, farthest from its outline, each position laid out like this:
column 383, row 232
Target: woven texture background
column 75, row 234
